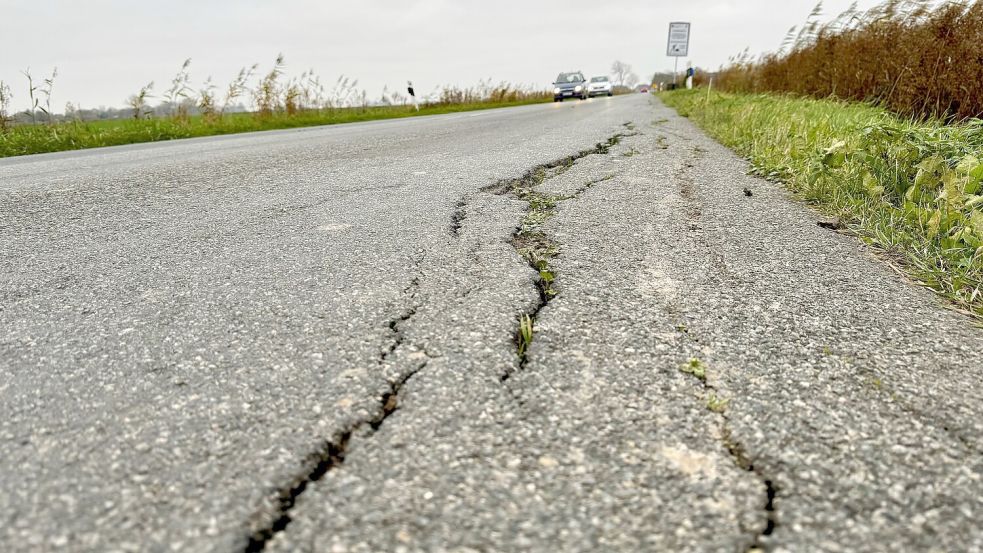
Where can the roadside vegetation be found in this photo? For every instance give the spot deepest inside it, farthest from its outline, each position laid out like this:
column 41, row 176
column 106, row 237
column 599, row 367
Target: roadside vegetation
column 913, row 188
column 253, row 101
column 874, row 116
column 917, row 58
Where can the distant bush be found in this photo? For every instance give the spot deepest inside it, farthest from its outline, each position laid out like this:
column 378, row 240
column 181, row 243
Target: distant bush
column 915, row 57
column 485, row 92
column 265, row 95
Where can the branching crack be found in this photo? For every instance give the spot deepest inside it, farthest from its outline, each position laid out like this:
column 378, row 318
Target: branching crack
column 534, row 245
column 535, row 176
column 331, row 453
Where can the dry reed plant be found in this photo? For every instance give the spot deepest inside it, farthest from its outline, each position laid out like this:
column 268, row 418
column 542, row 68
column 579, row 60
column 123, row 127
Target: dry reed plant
column 915, row 57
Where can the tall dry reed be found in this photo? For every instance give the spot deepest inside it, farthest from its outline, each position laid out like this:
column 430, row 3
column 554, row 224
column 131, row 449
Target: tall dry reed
column 915, row 57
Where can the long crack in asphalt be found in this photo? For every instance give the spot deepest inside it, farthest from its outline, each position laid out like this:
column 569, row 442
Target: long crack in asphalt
column 717, row 404
column 711, row 397
column 537, row 248
column 331, row 453
column 531, row 243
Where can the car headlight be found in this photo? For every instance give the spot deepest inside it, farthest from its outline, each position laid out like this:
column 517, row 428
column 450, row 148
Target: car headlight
column 556, row 90
column 578, row 88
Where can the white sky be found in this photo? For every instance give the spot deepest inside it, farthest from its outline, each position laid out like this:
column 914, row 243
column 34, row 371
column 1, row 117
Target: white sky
column 106, row 50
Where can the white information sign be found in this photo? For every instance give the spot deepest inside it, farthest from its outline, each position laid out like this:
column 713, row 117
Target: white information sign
column 678, row 40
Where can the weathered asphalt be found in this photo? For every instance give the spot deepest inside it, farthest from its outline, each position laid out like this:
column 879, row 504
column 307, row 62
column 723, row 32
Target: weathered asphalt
column 304, row 341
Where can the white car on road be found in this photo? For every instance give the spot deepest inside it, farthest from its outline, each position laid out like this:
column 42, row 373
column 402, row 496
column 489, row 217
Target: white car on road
column 599, row 86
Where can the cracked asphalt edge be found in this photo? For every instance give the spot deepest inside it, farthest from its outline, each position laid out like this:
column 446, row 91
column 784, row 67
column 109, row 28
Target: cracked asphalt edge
column 711, row 395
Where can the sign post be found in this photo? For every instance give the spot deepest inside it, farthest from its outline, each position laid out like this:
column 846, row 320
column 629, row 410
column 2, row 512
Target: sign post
column 409, row 88
column 678, row 46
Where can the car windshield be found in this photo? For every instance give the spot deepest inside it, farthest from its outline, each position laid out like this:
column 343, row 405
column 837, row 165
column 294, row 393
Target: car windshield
column 599, row 80
column 569, row 78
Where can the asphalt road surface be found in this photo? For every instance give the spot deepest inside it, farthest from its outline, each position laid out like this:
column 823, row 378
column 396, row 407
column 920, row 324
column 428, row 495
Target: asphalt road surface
column 305, row 340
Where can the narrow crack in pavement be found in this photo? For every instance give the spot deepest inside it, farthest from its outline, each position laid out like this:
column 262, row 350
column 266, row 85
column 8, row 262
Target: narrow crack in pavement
column 394, row 328
column 457, row 217
column 718, row 405
column 694, row 213
column 329, row 456
column 713, row 401
column 331, row 453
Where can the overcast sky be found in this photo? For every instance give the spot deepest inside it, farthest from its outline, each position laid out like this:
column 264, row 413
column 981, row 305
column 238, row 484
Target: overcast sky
column 106, row 50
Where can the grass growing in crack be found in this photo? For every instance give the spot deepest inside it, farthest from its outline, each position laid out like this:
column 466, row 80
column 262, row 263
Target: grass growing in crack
column 911, row 189
column 716, row 403
column 541, row 208
column 630, row 152
column 696, row 368
column 605, row 147
column 559, row 170
column 530, row 241
column 525, row 334
column 546, row 278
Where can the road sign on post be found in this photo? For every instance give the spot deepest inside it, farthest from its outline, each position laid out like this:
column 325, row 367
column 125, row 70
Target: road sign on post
column 678, row 46
column 678, row 40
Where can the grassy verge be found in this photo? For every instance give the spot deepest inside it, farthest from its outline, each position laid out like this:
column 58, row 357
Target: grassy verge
column 36, row 139
column 913, row 189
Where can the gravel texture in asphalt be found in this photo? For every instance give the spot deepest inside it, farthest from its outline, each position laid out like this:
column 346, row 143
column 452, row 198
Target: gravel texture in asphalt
column 307, row 341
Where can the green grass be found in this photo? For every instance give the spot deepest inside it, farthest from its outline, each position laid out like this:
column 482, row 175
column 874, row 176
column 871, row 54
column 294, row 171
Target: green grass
column 912, row 189
column 36, row 139
column 525, row 334
column 716, row 403
column 696, row 368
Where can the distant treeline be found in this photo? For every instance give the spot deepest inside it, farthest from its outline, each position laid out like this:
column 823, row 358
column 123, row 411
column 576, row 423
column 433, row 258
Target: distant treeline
column 103, row 113
column 915, row 57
